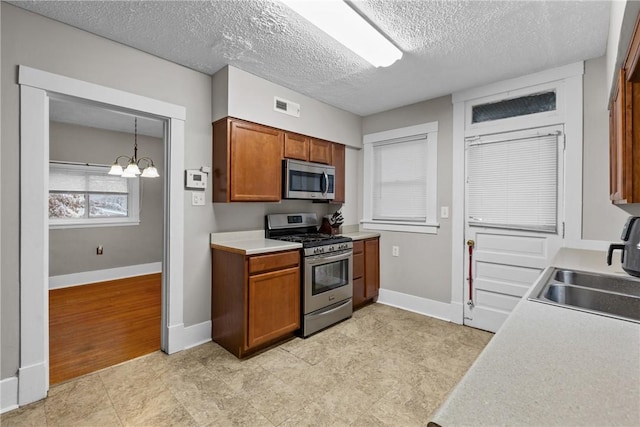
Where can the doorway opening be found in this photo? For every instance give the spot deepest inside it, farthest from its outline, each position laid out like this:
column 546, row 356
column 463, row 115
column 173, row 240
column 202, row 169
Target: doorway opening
column 37, row 89
column 105, row 239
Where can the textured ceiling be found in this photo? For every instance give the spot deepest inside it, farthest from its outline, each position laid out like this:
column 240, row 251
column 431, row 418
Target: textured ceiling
column 448, row 45
column 94, row 116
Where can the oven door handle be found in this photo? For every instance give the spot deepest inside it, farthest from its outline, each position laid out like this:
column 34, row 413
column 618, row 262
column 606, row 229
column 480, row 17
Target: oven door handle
column 321, row 259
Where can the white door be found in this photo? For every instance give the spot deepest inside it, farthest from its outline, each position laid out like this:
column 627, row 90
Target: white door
column 513, row 218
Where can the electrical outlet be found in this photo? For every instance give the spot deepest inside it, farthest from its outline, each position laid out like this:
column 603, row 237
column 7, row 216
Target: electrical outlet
column 395, row 250
column 197, row 198
column 444, row 212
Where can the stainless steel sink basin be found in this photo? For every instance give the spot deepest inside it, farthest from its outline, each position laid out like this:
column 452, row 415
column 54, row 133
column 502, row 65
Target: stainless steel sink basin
column 613, row 296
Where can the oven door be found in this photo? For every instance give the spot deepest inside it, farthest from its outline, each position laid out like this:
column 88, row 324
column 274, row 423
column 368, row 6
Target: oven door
column 328, row 279
column 305, row 180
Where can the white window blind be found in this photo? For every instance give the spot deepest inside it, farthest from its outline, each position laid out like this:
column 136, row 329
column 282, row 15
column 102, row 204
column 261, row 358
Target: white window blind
column 89, row 180
column 400, row 180
column 513, row 183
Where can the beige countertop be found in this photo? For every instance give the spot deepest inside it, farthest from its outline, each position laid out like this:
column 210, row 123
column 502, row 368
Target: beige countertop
column 249, row 242
column 361, row 235
column 253, row 242
column 550, row 365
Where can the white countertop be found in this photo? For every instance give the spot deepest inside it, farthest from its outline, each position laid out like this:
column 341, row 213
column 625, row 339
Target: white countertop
column 249, row 242
column 253, row 242
column 550, row 365
column 361, row 235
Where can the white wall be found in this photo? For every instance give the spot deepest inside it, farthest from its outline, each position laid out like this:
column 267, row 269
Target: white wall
column 423, row 268
column 251, row 98
column 48, row 45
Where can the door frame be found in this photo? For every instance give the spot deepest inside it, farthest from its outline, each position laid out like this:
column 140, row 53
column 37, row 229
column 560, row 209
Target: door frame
column 569, row 79
column 36, row 87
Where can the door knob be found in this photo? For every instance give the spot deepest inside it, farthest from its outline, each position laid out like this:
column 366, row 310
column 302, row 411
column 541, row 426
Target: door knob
column 470, row 243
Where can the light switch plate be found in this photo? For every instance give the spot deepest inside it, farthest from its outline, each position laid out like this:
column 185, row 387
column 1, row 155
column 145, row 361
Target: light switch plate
column 444, row 212
column 197, row 198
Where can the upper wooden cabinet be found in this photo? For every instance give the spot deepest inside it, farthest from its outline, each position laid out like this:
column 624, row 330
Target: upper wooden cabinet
column 247, row 162
column 296, row 146
column 320, row 151
column 624, row 129
column 338, row 161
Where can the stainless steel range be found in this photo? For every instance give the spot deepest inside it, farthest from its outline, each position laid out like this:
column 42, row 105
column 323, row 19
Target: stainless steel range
column 327, row 271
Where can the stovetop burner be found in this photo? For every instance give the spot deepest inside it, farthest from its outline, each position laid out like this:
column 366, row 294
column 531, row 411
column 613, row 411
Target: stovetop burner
column 301, row 228
column 310, row 240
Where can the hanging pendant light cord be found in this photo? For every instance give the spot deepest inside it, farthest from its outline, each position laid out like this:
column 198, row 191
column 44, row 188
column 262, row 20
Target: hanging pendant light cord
column 135, row 141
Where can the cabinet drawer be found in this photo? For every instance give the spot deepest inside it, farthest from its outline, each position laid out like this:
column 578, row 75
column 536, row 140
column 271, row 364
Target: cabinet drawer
column 260, row 263
column 358, row 265
column 358, row 247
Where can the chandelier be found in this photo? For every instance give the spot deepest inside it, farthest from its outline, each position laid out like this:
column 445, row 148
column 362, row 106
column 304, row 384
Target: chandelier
column 132, row 169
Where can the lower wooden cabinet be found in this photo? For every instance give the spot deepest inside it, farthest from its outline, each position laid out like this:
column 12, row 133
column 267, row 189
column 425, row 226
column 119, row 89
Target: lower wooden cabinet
column 255, row 300
column 366, row 271
column 274, row 305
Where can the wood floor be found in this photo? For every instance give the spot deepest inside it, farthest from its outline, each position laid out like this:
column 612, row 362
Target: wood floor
column 98, row 325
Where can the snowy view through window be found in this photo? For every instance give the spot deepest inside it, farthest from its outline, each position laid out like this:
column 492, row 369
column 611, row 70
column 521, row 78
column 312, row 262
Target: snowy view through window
column 73, row 205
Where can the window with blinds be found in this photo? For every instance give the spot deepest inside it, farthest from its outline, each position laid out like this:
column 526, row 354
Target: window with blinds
column 513, row 183
column 81, row 195
column 400, row 179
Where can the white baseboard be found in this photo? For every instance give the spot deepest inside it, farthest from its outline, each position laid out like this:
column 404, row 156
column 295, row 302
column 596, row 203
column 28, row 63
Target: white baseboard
column 195, row 335
column 8, row 394
column 85, row 277
column 428, row 307
column 33, row 384
column 456, row 312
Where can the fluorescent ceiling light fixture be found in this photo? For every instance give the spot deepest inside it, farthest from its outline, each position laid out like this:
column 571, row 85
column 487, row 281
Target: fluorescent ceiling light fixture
column 340, row 21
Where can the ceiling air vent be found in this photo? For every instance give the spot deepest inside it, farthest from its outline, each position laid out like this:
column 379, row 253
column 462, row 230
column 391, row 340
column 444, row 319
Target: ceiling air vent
column 287, row 107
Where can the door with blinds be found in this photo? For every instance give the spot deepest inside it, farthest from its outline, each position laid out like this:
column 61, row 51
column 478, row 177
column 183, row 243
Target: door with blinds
column 513, row 218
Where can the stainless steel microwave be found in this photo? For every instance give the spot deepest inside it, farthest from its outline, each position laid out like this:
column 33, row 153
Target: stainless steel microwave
column 306, row 180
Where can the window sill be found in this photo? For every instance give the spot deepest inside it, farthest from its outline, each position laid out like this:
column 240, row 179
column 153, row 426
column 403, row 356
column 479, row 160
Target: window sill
column 93, row 224
column 430, row 228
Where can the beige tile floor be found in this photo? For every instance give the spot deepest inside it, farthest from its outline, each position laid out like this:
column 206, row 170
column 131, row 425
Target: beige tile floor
column 383, row 367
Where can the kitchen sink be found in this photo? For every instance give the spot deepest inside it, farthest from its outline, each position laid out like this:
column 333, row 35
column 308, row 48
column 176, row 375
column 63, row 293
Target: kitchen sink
column 613, row 296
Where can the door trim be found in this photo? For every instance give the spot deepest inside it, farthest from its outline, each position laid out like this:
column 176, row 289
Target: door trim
column 568, row 77
column 36, row 87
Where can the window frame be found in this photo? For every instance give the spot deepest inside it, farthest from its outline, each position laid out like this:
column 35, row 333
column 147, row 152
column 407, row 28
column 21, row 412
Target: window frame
column 426, row 131
column 133, row 201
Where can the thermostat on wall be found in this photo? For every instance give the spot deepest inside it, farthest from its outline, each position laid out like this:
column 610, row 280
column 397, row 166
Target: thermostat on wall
column 195, row 180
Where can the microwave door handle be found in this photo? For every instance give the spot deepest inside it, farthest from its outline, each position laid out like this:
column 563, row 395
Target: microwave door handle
column 326, row 183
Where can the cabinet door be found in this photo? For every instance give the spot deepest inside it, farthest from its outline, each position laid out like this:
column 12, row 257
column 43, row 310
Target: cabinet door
column 358, row 292
column 320, row 151
column 256, row 163
column 274, row 305
column 338, row 161
column 618, row 136
column 371, row 268
column 296, row 146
